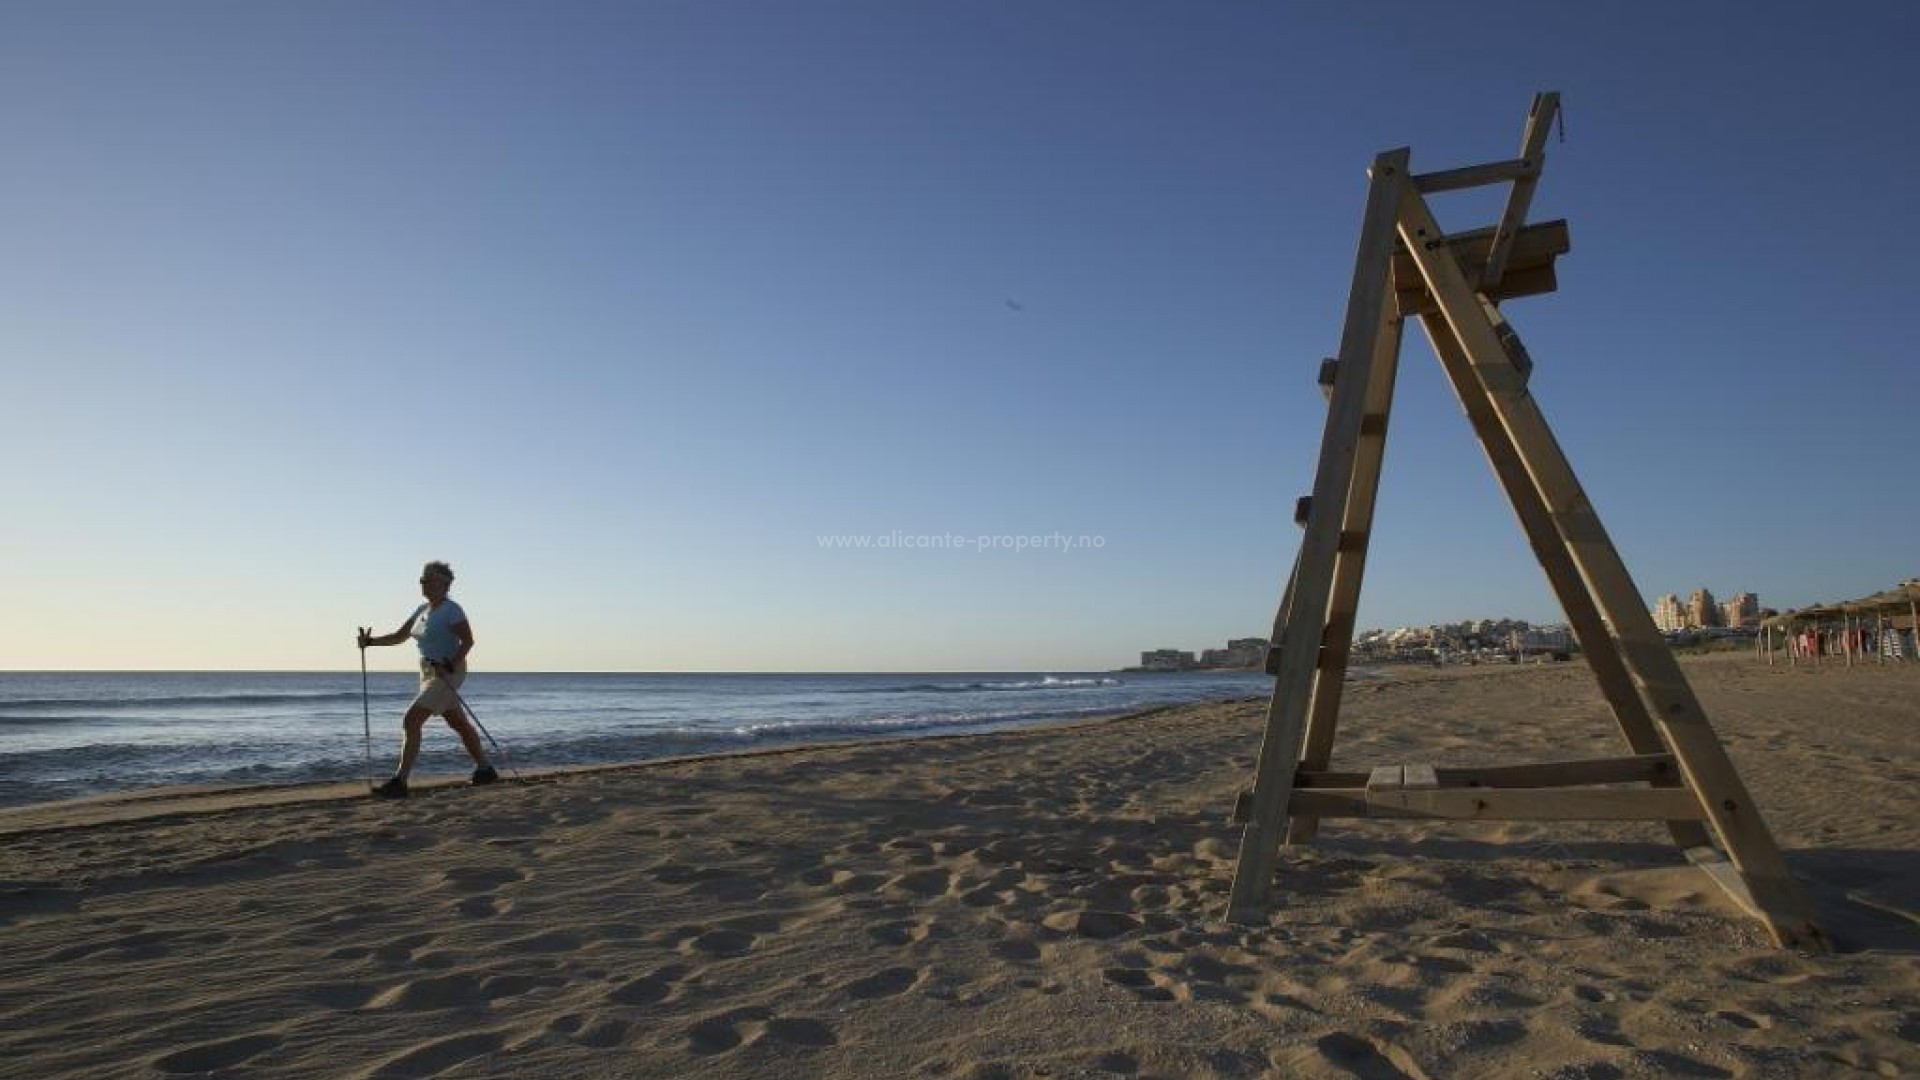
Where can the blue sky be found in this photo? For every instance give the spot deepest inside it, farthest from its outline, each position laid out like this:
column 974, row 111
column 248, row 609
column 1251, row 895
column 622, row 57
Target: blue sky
column 621, row 307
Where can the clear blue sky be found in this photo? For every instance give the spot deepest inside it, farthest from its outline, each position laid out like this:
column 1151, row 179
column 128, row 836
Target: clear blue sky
column 619, row 307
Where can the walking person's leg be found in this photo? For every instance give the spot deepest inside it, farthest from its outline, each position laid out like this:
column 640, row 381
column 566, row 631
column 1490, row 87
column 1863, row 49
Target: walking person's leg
column 414, row 723
column 435, row 696
column 469, row 738
column 411, row 726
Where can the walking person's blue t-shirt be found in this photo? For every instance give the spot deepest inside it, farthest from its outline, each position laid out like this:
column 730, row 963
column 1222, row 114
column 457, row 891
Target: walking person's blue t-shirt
column 433, row 629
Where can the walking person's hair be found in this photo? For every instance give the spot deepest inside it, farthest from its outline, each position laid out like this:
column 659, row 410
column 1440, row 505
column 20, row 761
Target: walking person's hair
column 436, row 567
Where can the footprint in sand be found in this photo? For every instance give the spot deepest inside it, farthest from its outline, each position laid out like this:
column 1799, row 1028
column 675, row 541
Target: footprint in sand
column 888, row 982
column 648, row 989
column 598, row 1032
column 214, row 1056
column 500, row 986
column 444, row 992
column 438, row 1057
column 726, row 1031
column 919, row 884
column 722, row 943
column 1362, row 1057
column 1139, row 981
column 484, row 907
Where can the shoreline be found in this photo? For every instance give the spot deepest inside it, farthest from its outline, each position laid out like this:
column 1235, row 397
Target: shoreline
column 124, row 807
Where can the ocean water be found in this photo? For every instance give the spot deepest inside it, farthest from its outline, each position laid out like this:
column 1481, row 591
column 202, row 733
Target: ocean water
column 67, row 735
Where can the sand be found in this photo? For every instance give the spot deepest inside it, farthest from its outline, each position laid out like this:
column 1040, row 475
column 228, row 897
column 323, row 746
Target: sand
column 1034, row 904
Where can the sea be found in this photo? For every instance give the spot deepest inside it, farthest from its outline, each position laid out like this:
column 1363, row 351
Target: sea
column 66, row 735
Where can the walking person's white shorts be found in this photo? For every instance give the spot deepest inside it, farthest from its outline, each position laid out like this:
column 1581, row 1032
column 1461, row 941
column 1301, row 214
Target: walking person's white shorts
column 436, row 690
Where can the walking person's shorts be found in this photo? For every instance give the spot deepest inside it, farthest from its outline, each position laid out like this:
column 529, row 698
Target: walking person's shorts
column 436, row 690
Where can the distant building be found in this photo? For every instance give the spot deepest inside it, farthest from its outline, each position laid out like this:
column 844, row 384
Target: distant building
column 1167, row 660
column 1702, row 611
column 1742, row 612
column 1240, row 652
column 1667, row 614
column 1541, row 639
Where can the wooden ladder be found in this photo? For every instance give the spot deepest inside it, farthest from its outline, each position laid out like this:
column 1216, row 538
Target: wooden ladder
column 1407, row 267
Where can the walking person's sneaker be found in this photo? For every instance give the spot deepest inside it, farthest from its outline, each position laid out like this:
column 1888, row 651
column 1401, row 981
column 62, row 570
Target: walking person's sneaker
column 485, row 774
column 395, row 788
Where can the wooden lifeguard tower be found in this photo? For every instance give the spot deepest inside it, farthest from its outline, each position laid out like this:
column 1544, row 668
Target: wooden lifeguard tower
column 1677, row 771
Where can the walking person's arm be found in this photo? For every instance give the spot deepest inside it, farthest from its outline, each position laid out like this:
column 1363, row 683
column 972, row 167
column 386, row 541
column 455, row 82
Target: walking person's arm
column 464, row 631
column 395, row 638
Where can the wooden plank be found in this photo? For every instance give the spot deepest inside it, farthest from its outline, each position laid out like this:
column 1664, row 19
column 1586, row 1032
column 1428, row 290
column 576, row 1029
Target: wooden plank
column 1674, row 709
column 1494, row 172
column 1280, row 618
column 1555, row 804
column 1602, row 651
column 1394, row 785
column 1533, row 146
column 1536, row 245
column 1344, row 803
column 1653, row 768
column 1518, row 282
column 1307, row 615
column 1465, row 804
column 1343, row 603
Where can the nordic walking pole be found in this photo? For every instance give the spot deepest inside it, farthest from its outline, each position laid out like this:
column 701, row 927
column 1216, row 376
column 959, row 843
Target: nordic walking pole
column 366, row 713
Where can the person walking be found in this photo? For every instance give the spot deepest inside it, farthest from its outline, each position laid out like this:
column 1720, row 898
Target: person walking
column 440, row 629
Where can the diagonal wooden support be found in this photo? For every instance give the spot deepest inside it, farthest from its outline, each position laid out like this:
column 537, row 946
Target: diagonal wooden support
column 1488, row 345
column 1597, row 643
column 1306, row 621
column 1533, row 150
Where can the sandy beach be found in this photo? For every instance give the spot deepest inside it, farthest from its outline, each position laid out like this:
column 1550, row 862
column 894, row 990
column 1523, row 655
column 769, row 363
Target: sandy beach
column 1036, row 904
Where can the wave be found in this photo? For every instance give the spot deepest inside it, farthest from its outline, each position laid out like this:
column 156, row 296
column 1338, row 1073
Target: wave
column 886, row 725
column 1048, row 682
column 316, row 697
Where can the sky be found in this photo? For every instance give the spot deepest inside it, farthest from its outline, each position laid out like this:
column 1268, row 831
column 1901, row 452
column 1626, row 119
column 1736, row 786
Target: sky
column 627, row 309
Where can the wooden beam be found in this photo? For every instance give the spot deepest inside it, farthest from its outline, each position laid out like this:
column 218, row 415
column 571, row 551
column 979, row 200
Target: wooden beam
column 1466, row 804
column 1533, row 245
column 1529, row 281
column 1530, row 266
column 1603, row 652
column 1496, row 172
column 1651, row 768
column 1533, row 147
column 1343, row 599
column 1313, row 577
column 1555, row 804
